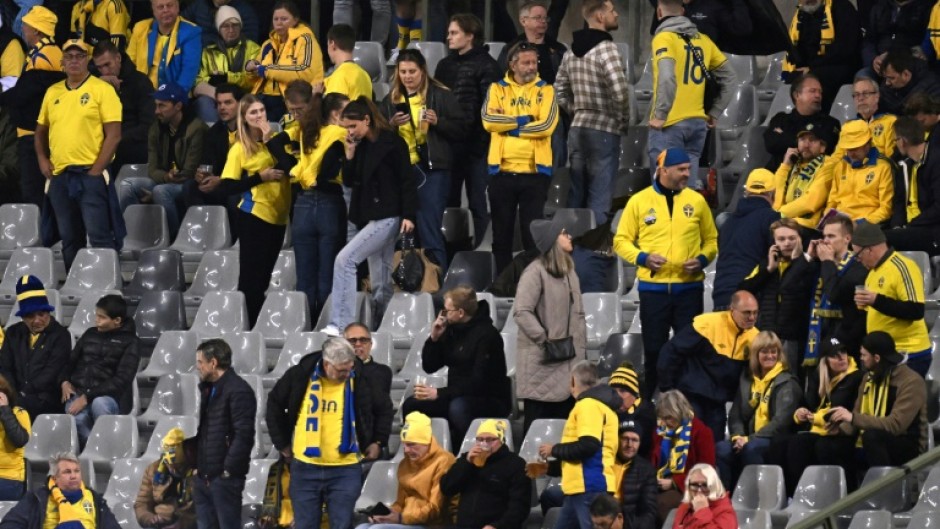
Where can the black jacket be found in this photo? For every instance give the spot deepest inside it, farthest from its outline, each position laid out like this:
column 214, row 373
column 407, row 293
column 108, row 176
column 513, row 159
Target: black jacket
column 379, row 377
column 844, row 394
column 30, row 512
column 783, row 299
column 286, row 397
column 215, row 146
column 928, row 187
column 550, row 54
column 891, row 25
column 24, row 100
column 744, row 239
column 850, row 329
column 105, row 364
column 783, row 127
column 469, row 77
column 922, row 80
column 382, row 180
column 36, row 372
column 473, row 352
column 842, row 52
column 639, row 492
column 226, row 426
column 498, row 494
column 137, row 114
column 451, row 125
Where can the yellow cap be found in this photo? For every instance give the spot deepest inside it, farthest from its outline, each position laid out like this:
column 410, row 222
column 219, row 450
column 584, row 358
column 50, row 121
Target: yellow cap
column 417, row 429
column 174, row 437
column 41, row 19
column 760, row 181
column 75, row 43
column 494, row 427
column 854, row 134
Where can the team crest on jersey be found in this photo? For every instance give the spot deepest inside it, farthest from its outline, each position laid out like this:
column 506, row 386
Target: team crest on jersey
column 869, row 178
column 84, row 99
column 797, row 193
column 688, row 210
column 89, row 508
column 881, row 282
column 650, row 217
column 878, row 130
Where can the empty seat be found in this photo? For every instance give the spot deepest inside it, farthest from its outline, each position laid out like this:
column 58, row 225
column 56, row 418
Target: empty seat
column 470, row 438
column 247, row 352
column 474, row 269
column 541, row 431
column 256, row 481
column 893, row 497
column 27, row 261
column 772, row 81
column 203, row 228
column 93, row 269
column 159, row 312
column 112, row 437
column 295, row 347
column 602, row 317
column 871, row 520
column 405, row 316
column 174, row 353
column 84, row 316
column 221, row 312
column 125, row 480
column 923, row 263
column 173, row 395
column 740, row 114
column 371, row 57
column 819, row 486
column 218, row 270
column 284, row 275
column 760, row 487
column 753, row 519
column 924, row 520
column 621, row 348
column 495, row 48
column 633, row 148
column 843, row 107
column 147, row 229
column 283, row 314
column 433, row 52
column 627, row 56
column 156, row 270
column 188, row 424
column 50, row 435
column 19, row 228
column 577, row 220
column 380, row 90
column 782, row 102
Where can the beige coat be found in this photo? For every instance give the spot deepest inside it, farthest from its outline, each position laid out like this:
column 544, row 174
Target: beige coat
column 153, row 499
column 539, row 294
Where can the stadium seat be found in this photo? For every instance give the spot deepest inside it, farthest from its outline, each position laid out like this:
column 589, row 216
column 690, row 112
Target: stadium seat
column 551, row 518
column 296, row 347
column 93, row 269
column 767, row 89
column 371, row 57
column 760, row 487
column 436, row 380
column 927, row 501
column 112, row 437
column 644, row 88
column 625, row 52
column 578, row 220
column 203, row 228
column 893, row 498
column 433, row 52
column 175, row 394
column 923, row 262
column 125, row 515
column 621, row 348
column 125, row 480
column 735, row 120
column 781, row 103
column 363, row 310
column 188, row 424
column 174, row 353
column 282, row 314
column 407, row 314
column 750, row 154
column 745, row 67
column 247, row 351
column 19, row 228
column 5, row 507
column 753, row 519
column 870, row 520
column 924, row 520
column 412, row 365
column 819, row 486
column 147, row 229
column 495, row 48
column 256, row 481
column 380, row 91
column 159, row 312
column 633, row 148
column 470, row 438
column 457, row 225
column 26, row 261
column 156, row 270
column 381, row 486
column 557, row 195
column 490, row 300
column 284, row 275
column 84, row 316
column 843, row 107
column 50, row 435
column 221, row 312
column 381, row 348
column 474, row 269
column 53, row 296
column 602, row 317
column 540, row 431
column 218, row 270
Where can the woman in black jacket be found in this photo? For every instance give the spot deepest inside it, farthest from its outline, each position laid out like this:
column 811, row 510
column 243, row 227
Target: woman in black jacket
column 16, row 429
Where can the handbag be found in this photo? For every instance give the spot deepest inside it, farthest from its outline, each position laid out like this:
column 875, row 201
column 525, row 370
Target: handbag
column 561, row 349
column 712, row 88
column 408, row 273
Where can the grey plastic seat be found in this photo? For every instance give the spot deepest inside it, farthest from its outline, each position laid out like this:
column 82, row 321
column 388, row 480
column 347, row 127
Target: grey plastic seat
column 125, row 515
column 159, row 312
column 760, row 487
column 112, row 437
column 620, row 348
column 380, row 90
column 381, row 485
column 84, row 316
column 923, row 262
column 551, row 518
column 878, row 519
column 892, row 498
column 745, row 67
column 221, row 312
column 843, row 107
column 174, row 353
column 19, row 228
column 644, row 89
column 147, row 229
column 781, row 103
column 188, row 424
column 578, row 220
column 218, row 270
column 540, row 431
column 50, row 435
column 627, row 56
column 602, row 317
column 412, row 363
column 284, row 275
column 203, row 228
column 381, row 348
column 296, row 347
column 5, row 507
column 125, row 480
column 283, row 314
column 160, row 269
column 495, row 48
column 53, row 296
column 363, row 310
column 247, row 351
column 436, row 380
column 924, row 520
column 490, row 300
column 819, row 486
column 371, row 57
column 771, row 82
column 470, row 437
column 433, row 52
column 753, row 519
column 27, row 261
column 93, row 269
column 510, row 350
column 633, row 148
column 457, row 225
column 256, row 480
column 751, row 153
column 740, row 114
column 405, row 316
column 175, row 394
column 473, row 269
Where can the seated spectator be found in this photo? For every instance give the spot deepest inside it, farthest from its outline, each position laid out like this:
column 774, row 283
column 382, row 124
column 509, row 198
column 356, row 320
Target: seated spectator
column 464, row 340
column 63, row 501
column 223, row 59
column 916, row 220
column 807, row 94
column 744, row 237
column 904, row 75
column 12, row 57
column 705, row 503
column 35, row 351
column 291, row 53
column 137, row 104
column 165, row 496
column 16, row 429
column 782, row 284
column 825, row 36
column 890, row 412
column 39, row 25
column 833, row 384
column 175, row 146
column 420, row 501
column 762, row 410
column 637, row 487
column 347, row 78
column 490, row 481
column 863, row 181
column 705, row 360
column 867, row 96
column 893, row 297
column 805, row 176
column 681, row 442
column 380, row 377
column 100, row 372
column 97, row 21
column 205, row 14
column 925, row 108
column 606, row 512
column 167, row 47
column 891, row 25
column 635, row 410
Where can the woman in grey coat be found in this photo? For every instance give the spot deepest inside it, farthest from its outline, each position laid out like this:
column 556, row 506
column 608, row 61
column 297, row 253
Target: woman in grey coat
column 548, row 307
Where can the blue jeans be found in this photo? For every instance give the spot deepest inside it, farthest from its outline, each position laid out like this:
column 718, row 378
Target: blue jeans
column 313, row 485
column 660, row 312
column 688, row 134
column 11, row 490
column 218, row 502
column 206, row 109
column 575, row 511
column 594, row 156
column 375, row 242
column 432, row 199
column 82, row 210
column 318, row 229
column 710, row 412
column 730, row 463
column 131, row 189
column 87, row 417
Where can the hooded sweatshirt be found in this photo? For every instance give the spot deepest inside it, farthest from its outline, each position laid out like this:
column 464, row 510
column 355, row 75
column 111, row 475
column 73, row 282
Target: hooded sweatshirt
column 589, row 443
column 592, row 83
column 420, row 500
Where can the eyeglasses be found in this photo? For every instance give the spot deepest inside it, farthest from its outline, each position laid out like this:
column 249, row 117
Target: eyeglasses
column 356, row 340
column 487, row 440
column 698, row 485
column 73, row 57
column 540, row 19
column 862, row 95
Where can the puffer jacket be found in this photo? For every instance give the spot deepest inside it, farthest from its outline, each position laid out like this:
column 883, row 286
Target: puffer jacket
column 420, row 500
column 639, row 492
column 783, row 299
column 469, row 77
column 450, row 129
column 498, row 494
column 104, row 364
column 784, row 400
column 36, row 371
column 226, row 426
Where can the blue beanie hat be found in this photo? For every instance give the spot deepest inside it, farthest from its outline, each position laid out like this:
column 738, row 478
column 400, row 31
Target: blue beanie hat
column 31, row 295
column 671, row 157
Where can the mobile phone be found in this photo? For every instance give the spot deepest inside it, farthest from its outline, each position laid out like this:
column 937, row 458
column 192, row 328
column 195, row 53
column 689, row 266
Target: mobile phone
column 403, row 107
column 828, row 416
column 380, row 509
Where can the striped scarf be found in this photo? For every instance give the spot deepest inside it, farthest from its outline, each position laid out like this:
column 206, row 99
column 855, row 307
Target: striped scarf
column 674, row 449
column 821, row 308
column 348, row 444
column 875, row 398
column 827, row 35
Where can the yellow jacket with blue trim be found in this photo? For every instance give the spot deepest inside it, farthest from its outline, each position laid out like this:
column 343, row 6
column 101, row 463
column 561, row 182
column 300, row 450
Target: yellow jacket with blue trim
column 864, row 191
column 514, row 112
column 180, row 63
column 647, row 226
column 297, row 57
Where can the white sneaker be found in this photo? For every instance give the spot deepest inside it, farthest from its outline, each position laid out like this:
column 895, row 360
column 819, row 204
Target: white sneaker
column 330, row 330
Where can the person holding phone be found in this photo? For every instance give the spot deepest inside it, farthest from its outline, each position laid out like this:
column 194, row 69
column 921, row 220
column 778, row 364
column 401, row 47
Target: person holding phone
column 706, row 504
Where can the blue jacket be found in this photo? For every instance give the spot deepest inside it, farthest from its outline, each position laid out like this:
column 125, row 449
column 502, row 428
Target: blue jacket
column 743, row 240
column 184, row 52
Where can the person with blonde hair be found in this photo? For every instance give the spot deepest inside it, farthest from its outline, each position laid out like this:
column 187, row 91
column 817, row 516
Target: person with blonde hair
column 706, row 504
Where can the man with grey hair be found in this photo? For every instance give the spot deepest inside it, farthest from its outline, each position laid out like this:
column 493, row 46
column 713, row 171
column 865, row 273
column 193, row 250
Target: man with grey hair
column 588, row 447
column 62, row 502
column 330, row 396
column 867, row 97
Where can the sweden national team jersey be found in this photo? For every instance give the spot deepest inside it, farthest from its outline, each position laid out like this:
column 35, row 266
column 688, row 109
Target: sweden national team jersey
column 690, row 79
column 269, row 201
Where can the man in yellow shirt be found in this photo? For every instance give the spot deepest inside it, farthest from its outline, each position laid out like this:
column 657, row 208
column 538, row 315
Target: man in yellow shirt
column 803, row 179
column 863, row 181
column 347, row 77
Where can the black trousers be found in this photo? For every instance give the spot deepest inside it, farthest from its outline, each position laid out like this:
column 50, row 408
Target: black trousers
column 660, row 312
column 32, row 182
column 916, row 239
column 511, row 192
column 794, row 453
column 885, row 450
column 257, row 252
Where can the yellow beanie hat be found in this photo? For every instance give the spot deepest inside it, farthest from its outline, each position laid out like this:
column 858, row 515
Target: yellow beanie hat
column 42, row 20
column 494, row 427
column 417, row 428
column 174, row 437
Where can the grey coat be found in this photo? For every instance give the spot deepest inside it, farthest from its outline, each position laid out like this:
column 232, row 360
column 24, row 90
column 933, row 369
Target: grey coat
column 543, row 301
column 785, row 398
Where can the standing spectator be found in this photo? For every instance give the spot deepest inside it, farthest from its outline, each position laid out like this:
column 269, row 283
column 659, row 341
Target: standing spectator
column 862, row 181
column 916, row 222
column 378, row 169
column 324, row 453
column 490, row 481
column 893, row 296
column 762, row 410
column 225, row 437
column 101, row 21
column 588, row 447
column 744, row 237
column 637, row 413
column 807, row 94
column 428, row 118
column 137, row 105
column 39, row 33
column 175, row 150
column 548, row 307
column 720, row 20
column 381, row 18
column 409, row 24
column 635, row 477
column 98, row 377
column 347, row 78
column 12, row 55
column 867, row 96
column 825, row 36
column 250, row 171
column 592, row 86
column 705, row 360
column 16, row 430
column 380, row 377
column 464, row 340
column 681, row 442
column 76, row 135
column 678, row 116
column 905, row 75
column 667, row 231
column 291, row 53
column 520, row 114
column 805, row 176
column 469, row 71
column 35, row 350
column 782, row 283
column 165, row 495
column 890, row 413
column 63, row 501
column 205, row 14
column 705, row 502
column 892, row 25
column 223, row 59
column 166, row 47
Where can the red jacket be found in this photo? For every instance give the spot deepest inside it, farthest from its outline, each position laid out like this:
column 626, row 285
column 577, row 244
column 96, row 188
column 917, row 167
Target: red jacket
column 718, row 515
column 702, row 450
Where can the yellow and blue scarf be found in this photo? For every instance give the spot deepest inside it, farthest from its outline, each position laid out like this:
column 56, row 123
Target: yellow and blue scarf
column 874, row 398
column 348, row 443
column 674, row 449
column 821, row 308
column 71, row 505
